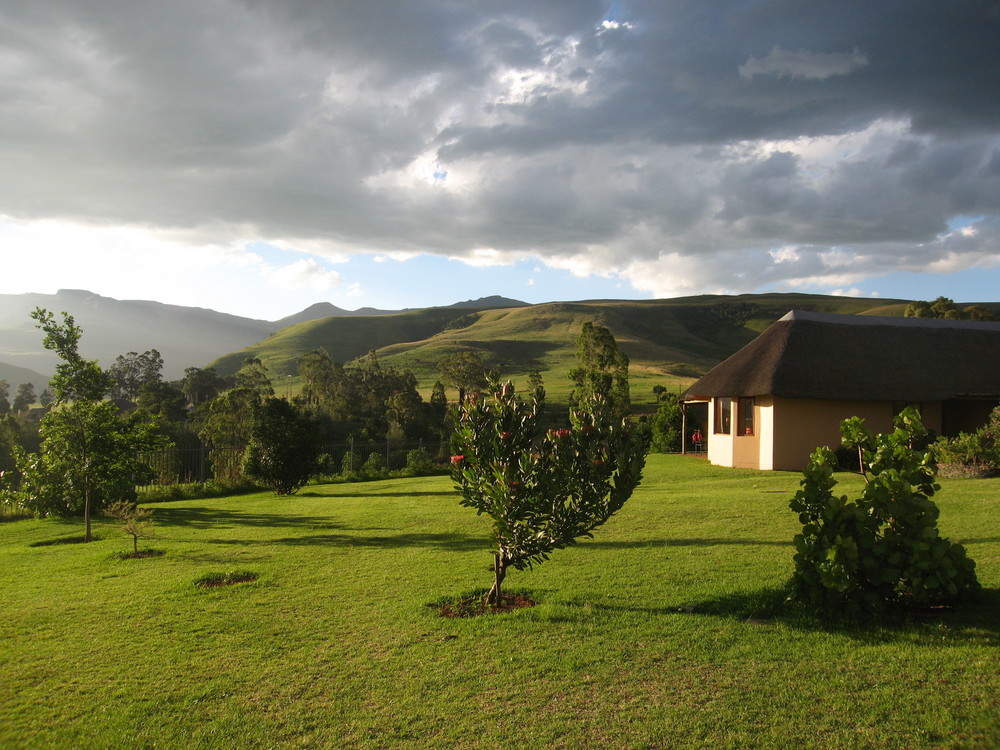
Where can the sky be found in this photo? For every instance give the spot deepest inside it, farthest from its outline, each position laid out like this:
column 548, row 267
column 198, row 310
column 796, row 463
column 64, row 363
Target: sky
column 258, row 156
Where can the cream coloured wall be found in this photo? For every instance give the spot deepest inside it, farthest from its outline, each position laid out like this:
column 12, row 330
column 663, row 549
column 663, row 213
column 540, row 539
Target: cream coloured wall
column 800, row 425
column 746, row 448
column 789, row 430
column 720, row 446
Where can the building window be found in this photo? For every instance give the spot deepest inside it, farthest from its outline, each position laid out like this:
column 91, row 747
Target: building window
column 723, row 416
column 744, row 418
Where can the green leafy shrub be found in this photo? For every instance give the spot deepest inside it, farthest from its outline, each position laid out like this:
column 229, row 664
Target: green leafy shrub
column 374, row 467
column 883, row 548
column 667, row 424
column 974, row 454
column 419, row 462
column 545, row 491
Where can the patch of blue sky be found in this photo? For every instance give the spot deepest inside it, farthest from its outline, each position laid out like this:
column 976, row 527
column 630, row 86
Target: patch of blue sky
column 967, row 286
column 960, row 222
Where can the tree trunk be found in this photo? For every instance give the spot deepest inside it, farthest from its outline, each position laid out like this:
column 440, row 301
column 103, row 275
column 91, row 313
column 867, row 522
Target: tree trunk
column 86, row 510
column 500, row 572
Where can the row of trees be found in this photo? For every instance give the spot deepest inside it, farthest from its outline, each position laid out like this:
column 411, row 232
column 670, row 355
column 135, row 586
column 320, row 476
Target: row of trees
column 946, row 309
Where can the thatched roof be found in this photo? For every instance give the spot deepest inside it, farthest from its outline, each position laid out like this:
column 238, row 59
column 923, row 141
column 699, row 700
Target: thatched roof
column 866, row 358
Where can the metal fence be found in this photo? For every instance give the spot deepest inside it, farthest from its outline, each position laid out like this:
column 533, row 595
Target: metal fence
column 186, row 465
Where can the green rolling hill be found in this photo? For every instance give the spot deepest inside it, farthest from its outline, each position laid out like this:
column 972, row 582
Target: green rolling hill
column 669, row 342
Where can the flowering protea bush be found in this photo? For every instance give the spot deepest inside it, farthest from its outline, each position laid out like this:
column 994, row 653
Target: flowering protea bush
column 543, row 490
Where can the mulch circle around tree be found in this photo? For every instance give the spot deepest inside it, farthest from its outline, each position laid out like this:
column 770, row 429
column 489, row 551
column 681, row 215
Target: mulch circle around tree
column 214, row 580
column 475, row 605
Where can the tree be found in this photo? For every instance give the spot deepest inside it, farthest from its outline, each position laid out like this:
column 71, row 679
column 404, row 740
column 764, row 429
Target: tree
column 162, row 400
column 463, row 371
column 543, row 492
column 25, row 397
column 201, row 385
column 283, row 448
column 227, row 430
column 4, row 393
column 132, row 371
column 883, row 548
column 89, row 455
column 601, row 370
column 75, row 378
column 46, row 398
column 536, row 386
column 253, row 376
column 945, row 308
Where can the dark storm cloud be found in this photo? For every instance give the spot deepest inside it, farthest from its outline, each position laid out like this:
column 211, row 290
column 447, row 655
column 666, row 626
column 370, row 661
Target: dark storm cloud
column 772, row 141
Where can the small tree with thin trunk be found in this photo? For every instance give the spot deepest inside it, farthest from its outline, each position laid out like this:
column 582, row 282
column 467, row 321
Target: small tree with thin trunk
column 543, row 492
column 133, row 520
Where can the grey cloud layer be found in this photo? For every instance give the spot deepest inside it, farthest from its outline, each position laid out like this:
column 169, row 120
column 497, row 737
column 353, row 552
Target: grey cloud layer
column 770, row 140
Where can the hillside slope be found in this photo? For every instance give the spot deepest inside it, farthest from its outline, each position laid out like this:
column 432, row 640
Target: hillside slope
column 669, row 342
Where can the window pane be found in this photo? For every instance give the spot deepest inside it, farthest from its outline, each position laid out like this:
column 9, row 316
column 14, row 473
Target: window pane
column 746, row 425
column 723, row 416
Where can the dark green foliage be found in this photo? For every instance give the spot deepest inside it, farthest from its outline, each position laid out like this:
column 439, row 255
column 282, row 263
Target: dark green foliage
column 945, row 308
column 601, row 370
column 882, row 549
column 253, row 376
column 543, row 492
column 201, row 385
column 162, row 400
column 666, row 424
column 89, row 455
column 24, row 398
column 4, row 393
column 283, row 447
column 419, row 462
column 89, row 458
column 132, row 371
column 463, row 371
column 226, row 430
column 368, row 401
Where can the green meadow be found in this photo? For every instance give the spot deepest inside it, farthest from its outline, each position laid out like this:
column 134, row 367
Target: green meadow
column 666, row 630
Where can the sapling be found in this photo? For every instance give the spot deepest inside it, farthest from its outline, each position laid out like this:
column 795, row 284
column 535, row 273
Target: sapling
column 133, row 520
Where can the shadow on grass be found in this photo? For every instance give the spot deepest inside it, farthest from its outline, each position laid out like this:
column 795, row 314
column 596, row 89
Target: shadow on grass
column 389, row 492
column 451, row 542
column 975, row 621
column 228, row 518
column 65, row 540
column 684, row 543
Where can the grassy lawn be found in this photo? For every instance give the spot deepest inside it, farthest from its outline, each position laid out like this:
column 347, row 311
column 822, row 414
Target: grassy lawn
column 664, row 631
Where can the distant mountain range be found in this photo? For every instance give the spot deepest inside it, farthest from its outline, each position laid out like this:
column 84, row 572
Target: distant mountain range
column 669, row 341
column 184, row 336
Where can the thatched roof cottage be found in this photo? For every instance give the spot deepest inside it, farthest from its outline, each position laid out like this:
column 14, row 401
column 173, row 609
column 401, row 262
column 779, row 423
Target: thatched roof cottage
column 785, row 393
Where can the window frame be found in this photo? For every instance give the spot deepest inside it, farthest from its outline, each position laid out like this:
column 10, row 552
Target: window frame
column 722, row 418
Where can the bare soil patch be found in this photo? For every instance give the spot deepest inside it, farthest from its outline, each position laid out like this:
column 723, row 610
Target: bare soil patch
column 476, row 606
